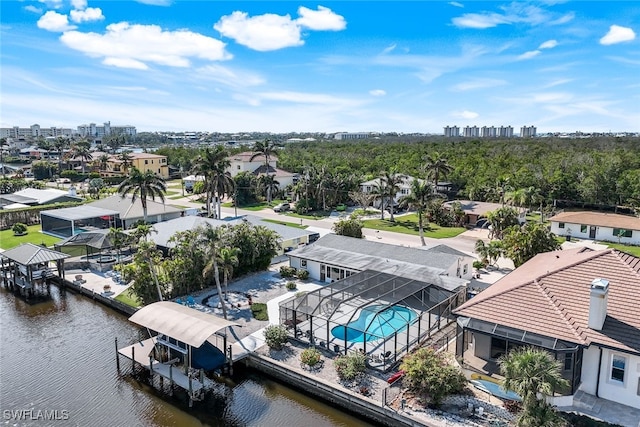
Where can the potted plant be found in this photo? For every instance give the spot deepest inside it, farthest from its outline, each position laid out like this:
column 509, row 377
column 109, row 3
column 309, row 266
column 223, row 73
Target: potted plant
column 19, row 229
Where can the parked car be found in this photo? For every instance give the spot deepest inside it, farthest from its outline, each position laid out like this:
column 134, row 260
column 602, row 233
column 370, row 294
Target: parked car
column 282, row 207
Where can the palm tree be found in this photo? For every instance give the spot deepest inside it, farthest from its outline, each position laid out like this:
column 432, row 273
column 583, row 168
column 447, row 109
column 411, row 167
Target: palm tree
column 268, row 184
column 103, row 161
column 228, row 258
column 143, row 185
column 392, row 183
column 530, row 371
column 212, row 164
column 81, row 150
column 437, row 166
column 60, row 143
column 421, row 193
column 209, row 239
column 264, row 149
column 115, row 142
column 127, row 160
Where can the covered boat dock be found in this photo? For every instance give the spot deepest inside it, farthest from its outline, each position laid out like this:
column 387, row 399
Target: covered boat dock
column 28, row 268
column 188, row 343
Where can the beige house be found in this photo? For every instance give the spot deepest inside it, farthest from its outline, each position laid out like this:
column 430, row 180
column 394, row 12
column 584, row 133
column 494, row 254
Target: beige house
column 142, row 161
column 242, row 162
column 608, row 227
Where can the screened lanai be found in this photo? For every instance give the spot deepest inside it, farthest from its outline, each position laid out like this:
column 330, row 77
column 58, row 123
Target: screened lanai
column 379, row 314
column 67, row 222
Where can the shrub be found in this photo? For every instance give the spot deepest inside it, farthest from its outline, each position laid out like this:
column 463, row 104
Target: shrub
column 259, row 311
column 287, row 272
column 302, row 274
column 350, row 366
column 291, row 286
column 276, row 336
column 478, row 265
column 429, row 372
column 19, row 229
column 310, row 356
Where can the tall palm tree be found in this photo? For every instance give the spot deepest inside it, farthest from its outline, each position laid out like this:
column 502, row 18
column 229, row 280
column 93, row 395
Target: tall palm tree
column 115, row 142
column 81, row 150
column 127, row 160
column 437, row 166
column 530, row 371
column 264, row 149
column 143, row 185
column 103, row 161
column 60, row 144
column 210, row 241
column 392, row 183
column 422, row 192
column 228, row 258
column 212, row 164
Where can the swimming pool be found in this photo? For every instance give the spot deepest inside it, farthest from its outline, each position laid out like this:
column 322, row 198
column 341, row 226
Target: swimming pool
column 382, row 321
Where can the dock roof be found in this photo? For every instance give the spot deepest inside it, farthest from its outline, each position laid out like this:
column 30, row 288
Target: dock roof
column 182, row 323
column 29, row 254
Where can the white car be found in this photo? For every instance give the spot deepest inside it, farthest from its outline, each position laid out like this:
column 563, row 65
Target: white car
column 282, row 207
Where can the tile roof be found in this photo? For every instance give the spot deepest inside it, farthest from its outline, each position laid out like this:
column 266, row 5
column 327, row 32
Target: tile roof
column 600, row 219
column 550, row 295
column 245, row 156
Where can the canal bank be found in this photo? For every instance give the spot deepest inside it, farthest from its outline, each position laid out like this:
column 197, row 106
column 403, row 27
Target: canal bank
column 59, row 355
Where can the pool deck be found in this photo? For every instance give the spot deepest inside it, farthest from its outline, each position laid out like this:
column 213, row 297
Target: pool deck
column 95, row 282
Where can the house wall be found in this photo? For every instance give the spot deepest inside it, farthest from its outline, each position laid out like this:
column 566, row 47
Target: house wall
column 481, row 346
column 157, row 165
column 602, row 233
column 626, row 392
column 453, row 269
column 238, row 166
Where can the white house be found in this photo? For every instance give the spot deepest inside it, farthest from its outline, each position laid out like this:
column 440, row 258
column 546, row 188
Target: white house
column 404, row 188
column 242, row 162
column 607, row 227
column 334, row 257
column 190, row 181
column 579, row 305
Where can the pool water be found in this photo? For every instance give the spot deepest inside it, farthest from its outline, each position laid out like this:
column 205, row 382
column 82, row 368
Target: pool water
column 381, row 323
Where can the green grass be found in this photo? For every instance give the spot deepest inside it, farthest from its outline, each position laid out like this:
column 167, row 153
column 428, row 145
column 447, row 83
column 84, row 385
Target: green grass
column 408, row 224
column 633, row 250
column 179, row 196
column 310, row 215
column 290, row 224
column 127, row 297
column 259, row 311
column 8, row 240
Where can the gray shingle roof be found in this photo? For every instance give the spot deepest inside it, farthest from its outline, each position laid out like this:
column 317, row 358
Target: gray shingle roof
column 29, row 254
column 79, row 212
column 130, row 210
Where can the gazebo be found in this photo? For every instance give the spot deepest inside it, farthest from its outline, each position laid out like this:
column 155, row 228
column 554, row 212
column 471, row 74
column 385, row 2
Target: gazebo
column 27, row 266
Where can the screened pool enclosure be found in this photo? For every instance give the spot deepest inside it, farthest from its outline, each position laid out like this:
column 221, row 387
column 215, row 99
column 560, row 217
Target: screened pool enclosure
column 379, row 314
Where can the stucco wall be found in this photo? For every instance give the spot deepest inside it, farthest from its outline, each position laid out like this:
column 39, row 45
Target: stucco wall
column 604, row 234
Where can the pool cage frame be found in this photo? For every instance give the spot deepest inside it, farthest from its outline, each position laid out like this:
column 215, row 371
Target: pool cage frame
column 311, row 317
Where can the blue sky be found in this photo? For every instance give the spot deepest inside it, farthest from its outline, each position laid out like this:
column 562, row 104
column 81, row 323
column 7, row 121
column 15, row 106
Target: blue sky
column 321, row 67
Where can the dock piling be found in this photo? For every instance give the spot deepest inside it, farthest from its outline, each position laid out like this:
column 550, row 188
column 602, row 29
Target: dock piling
column 133, row 359
column 117, row 356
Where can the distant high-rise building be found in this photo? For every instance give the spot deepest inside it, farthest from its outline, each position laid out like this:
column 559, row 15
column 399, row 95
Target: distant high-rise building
column 471, row 131
column 505, row 132
column 451, row 131
column 34, row 132
column 488, row 132
column 93, row 131
column 527, row 131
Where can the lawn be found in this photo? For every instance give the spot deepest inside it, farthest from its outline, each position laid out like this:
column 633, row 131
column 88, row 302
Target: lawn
column 290, row 224
column 310, row 215
column 127, row 297
column 633, row 250
column 8, row 240
column 408, row 224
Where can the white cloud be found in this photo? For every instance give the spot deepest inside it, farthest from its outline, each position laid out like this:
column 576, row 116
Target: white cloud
column 389, row 49
column 323, row 19
column 263, row 33
column 229, row 77
column 478, row 21
column 32, row 8
column 617, row 34
column 134, row 46
column 514, row 13
column 52, row 4
column 54, row 21
column 272, row 32
column 308, row 98
column 466, row 114
column 79, row 4
column 549, row 44
column 529, row 55
column 456, row 4
column 156, row 2
column 477, row 84
column 87, row 15
column 377, row 92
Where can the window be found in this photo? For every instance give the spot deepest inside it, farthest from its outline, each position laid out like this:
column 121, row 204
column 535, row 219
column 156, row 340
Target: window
column 146, row 162
column 303, row 263
column 561, row 225
column 621, row 232
column 238, row 167
column 583, row 228
column 617, row 368
column 465, row 269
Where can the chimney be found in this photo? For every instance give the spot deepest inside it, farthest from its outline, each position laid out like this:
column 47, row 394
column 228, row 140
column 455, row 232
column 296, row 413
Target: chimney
column 598, row 303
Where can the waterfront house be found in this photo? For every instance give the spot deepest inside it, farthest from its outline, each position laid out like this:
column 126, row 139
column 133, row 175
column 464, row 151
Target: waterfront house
column 608, row 227
column 580, row 305
column 335, row 257
column 34, row 197
column 132, row 212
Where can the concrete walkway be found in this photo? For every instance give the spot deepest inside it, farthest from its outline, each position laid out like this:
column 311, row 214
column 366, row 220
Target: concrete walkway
column 603, row 410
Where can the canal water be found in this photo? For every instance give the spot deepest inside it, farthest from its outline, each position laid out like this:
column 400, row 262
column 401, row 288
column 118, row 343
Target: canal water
column 59, row 356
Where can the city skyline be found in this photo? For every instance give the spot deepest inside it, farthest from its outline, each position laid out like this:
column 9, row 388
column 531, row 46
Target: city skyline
column 285, row 66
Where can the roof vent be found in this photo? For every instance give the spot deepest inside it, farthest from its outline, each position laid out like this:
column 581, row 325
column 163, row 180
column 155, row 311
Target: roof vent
column 598, row 303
